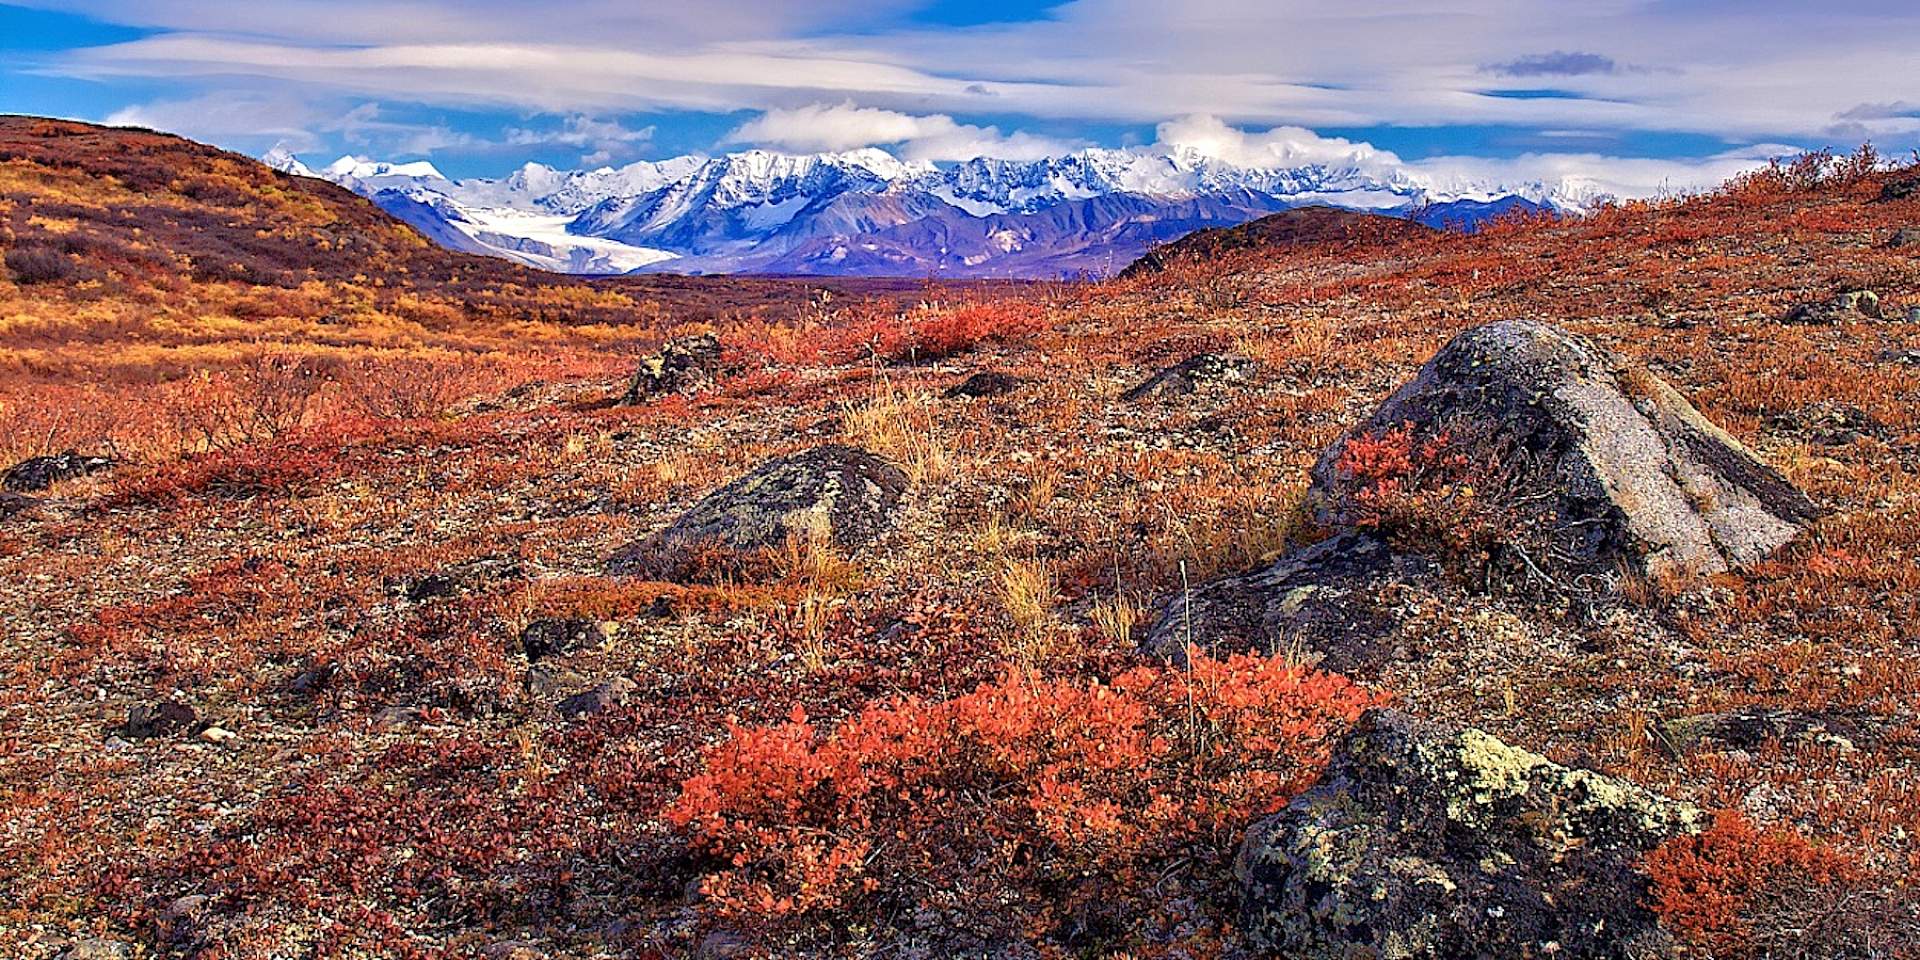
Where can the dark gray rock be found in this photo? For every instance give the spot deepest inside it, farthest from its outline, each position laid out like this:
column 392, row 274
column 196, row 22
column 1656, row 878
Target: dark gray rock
column 1188, row 375
column 600, row 699
column 164, row 718
column 1336, row 599
column 842, row 494
column 1899, row 188
column 987, row 383
column 683, row 362
column 1751, row 727
column 1839, row 308
column 1609, row 466
column 553, row 637
column 1831, row 424
column 1904, row 237
column 39, row 473
column 15, row 505
column 1423, row 842
column 95, row 948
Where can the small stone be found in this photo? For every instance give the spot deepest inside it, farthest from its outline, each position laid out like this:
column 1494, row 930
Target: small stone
column 15, row 505
column 184, row 909
column 552, row 637
column 987, row 383
column 545, row 681
column 1851, row 305
column 682, row 362
column 218, row 735
column 95, row 948
column 396, row 715
column 600, row 699
column 1189, row 375
column 39, row 473
column 1899, row 188
column 844, row 495
column 165, row 718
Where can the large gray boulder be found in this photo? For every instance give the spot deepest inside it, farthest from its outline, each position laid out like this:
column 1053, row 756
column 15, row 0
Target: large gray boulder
column 1610, row 465
column 1424, row 842
column 841, row 495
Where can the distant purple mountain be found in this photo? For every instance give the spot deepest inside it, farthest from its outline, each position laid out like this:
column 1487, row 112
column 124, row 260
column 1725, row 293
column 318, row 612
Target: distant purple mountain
column 866, row 213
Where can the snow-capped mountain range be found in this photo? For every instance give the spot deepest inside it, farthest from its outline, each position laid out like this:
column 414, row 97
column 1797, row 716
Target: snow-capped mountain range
column 866, row 212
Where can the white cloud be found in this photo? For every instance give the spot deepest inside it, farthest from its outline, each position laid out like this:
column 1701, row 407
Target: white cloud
column 604, row 140
column 1745, row 71
column 821, row 127
column 1570, row 174
column 1279, row 147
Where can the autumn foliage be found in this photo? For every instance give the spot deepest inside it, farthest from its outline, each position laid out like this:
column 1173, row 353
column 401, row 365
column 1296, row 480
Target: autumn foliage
column 1723, row 889
column 1061, row 796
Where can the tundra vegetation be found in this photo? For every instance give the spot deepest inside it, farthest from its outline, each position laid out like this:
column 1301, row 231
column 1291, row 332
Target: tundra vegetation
column 268, row 683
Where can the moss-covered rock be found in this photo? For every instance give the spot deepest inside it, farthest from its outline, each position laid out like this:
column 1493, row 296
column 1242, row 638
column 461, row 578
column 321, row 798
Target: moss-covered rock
column 1423, row 842
column 834, row 494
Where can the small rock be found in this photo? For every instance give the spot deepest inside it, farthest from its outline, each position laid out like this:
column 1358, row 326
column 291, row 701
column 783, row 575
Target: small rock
column 602, row 698
column 513, row 950
column 681, row 362
column 842, row 493
column 218, row 735
column 1422, row 842
column 1829, row 423
column 428, row 587
column 1899, row 188
column 544, row 681
column 546, row 638
column 14, row 505
column 95, row 948
column 184, row 910
column 396, row 715
column 39, row 473
column 313, row 679
column 988, row 383
column 1188, row 375
column 1335, row 599
column 1851, row 305
column 1904, row 237
column 1751, row 727
column 162, row 719
column 721, row 945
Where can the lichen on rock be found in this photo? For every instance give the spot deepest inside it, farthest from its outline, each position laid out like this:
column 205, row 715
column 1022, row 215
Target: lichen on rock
column 1425, row 842
column 832, row 495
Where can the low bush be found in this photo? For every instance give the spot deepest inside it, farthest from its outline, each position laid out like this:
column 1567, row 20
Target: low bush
column 30, row 265
column 1022, row 805
column 1738, row 891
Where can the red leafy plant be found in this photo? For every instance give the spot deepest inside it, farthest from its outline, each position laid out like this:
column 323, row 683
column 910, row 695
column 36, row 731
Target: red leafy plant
column 1055, row 797
column 1423, row 494
column 1738, row 890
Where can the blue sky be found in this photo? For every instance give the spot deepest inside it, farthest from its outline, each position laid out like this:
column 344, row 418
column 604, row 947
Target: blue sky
column 1645, row 94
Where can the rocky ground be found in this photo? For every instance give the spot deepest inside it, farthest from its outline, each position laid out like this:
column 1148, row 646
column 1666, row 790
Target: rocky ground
column 389, row 693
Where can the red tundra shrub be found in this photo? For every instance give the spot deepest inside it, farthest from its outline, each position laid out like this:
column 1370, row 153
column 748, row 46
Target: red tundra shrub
column 1420, row 493
column 1724, row 889
column 1062, row 797
column 955, row 331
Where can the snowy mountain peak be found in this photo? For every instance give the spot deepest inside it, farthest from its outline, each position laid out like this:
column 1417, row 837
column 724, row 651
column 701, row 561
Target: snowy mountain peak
column 867, row 211
column 361, row 168
column 282, row 159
